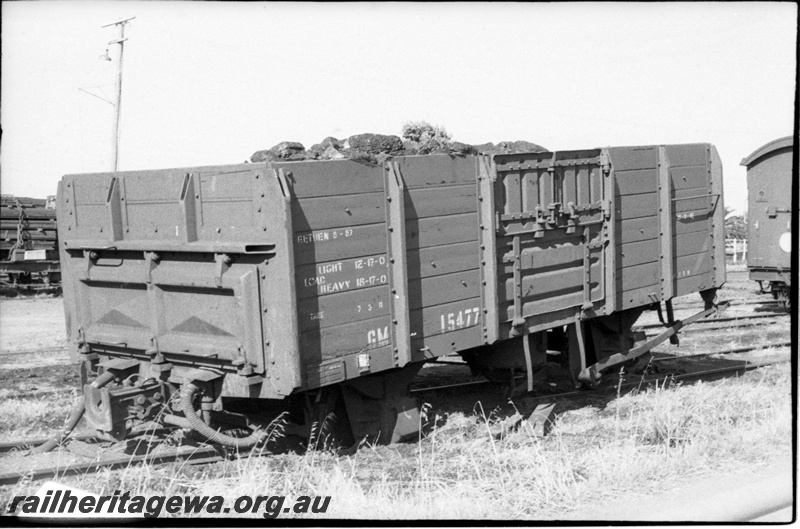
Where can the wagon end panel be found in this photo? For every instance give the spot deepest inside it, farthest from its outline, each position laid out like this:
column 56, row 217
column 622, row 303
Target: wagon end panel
column 553, row 235
column 669, row 222
column 184, row 264
column 769, row 210
column 692, row 219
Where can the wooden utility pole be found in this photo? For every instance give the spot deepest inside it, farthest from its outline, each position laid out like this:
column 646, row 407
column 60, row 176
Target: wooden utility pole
column 118, row 91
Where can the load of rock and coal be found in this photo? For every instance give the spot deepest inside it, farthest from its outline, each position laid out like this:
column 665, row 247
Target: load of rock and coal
column 376, row 148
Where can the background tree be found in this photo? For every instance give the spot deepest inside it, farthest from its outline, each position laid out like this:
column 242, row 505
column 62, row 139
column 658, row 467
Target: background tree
column 735, row 225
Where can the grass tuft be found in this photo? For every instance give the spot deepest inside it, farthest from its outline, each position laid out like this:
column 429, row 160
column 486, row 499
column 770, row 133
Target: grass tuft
column 639, row 442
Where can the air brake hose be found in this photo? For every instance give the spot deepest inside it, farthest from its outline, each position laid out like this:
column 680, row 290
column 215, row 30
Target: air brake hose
column 74, row 418
column 196, row 423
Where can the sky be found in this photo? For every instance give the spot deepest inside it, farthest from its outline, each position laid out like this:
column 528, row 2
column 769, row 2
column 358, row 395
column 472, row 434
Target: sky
column 208, row 83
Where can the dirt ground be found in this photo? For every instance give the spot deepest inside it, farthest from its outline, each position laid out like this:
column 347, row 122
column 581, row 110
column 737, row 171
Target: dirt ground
column 37, row 324
column 34, row 324
column 31, row 323
column 28, row 324
column 689, row 500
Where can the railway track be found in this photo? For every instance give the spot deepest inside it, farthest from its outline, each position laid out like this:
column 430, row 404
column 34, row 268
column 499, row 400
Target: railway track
column 766, row 303
column 207, row 454
column 746, row 322
column 189, row 454
column 692, row 330
column 27, row 444
column 43, row 350
column 711, row 328
column 43, row 393
column 662, row 379
column 744, row 317
column 734, row 350
column 199, row 455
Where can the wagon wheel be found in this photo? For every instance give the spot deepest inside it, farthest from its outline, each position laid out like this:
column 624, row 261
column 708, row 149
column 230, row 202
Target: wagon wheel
column 784, row 300
column 327, row 422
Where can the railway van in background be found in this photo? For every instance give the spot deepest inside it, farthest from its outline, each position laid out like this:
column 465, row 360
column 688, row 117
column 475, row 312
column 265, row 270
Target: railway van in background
column 769, row 224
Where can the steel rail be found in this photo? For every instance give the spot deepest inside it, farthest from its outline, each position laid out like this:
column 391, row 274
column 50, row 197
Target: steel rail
column 135, row 434
column 448, row 386
column 664, row 378
column 35, row 351
column 735, row 350
column 195, row 455
column 733, row 303
column 27, row 444
column 210, row 454
column 723, row 327
column 716, row 320
column 669, row 376
column 43, row 393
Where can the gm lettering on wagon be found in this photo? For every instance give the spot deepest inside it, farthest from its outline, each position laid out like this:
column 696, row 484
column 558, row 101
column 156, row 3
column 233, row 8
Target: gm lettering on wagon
column 451, row 321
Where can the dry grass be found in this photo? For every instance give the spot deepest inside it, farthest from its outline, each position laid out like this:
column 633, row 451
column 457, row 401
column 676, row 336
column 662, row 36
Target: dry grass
column 26, row 418
column 637, row 443
column 622, row 446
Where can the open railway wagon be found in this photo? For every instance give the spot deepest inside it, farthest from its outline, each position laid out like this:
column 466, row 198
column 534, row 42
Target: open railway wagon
column 28, row 244
column 769, row 216
column 218, row 297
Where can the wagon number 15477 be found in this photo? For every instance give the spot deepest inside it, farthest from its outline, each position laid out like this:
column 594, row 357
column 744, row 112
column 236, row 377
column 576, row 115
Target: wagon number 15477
column 460, row 319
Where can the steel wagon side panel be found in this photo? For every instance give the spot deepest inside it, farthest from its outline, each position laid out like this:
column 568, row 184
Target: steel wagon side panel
column 442, row 254
column 341, row 278
column 376, row 278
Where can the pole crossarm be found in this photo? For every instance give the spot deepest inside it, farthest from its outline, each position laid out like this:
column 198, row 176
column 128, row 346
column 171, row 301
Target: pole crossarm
column 124, row 20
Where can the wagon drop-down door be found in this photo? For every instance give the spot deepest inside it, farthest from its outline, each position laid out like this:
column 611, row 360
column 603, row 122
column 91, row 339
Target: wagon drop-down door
column 553, row 213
